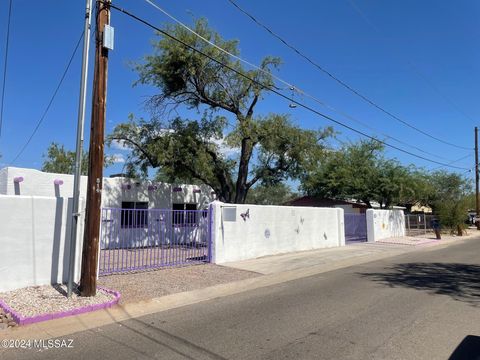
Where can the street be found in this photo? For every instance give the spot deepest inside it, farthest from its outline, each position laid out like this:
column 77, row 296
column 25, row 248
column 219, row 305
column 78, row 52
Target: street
column 418, row 305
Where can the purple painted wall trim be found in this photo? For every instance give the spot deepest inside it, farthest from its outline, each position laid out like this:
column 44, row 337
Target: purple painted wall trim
column 21, row 320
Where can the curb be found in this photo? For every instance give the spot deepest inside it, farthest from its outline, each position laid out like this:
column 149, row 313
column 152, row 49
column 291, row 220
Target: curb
column 107, row 316
column 21, row 320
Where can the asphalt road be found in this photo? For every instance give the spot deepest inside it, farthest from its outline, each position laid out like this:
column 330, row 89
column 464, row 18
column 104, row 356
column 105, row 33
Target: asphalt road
column 420, row 305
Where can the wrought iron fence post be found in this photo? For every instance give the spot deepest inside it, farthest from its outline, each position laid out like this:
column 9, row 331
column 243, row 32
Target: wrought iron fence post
column 425, row 223
column 210, row 234
column 408, row 222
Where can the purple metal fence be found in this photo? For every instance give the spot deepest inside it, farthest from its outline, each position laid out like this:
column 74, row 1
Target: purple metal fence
column 142, row 239
column 355, row 227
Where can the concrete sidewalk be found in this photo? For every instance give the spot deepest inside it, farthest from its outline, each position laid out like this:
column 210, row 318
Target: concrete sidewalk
column 352, row 254
column 276, row 269
column 275, row 264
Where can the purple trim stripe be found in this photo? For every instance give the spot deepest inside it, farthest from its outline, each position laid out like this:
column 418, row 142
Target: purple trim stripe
column 21, row 320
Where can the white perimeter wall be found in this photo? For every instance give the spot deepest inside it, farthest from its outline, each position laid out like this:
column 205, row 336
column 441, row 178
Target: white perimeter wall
column 34, row 241
column 383, row 224
column 270, row 230
column 38, row 183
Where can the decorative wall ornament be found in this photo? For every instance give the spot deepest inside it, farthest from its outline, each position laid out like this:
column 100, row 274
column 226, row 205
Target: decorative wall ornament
column 245, row 215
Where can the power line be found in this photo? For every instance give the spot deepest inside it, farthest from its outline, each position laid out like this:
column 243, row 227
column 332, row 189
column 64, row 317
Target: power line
column 276, row 91
column 5, row 66
column 50, row 102
column 454, row 162
column 288, row 84
column 410, row 63
column 341, row 82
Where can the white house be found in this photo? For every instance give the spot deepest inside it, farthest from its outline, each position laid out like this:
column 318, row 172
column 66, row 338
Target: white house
column 117, row 192
column 36, row 216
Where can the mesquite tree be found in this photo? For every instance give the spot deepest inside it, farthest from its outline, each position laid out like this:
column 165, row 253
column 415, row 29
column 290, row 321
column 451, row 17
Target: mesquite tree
column 228, row 147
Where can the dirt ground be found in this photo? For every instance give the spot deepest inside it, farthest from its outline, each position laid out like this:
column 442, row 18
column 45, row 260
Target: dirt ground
column 150, row 284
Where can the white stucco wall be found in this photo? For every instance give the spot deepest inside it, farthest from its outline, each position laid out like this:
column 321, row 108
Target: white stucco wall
column 35, row 217
column 34, row 241
column 270, row 230
column 383, row 224
column 38, row 183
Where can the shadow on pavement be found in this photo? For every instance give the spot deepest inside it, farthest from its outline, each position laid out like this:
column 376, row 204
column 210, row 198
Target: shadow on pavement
column 468, row 349
column 460, row 281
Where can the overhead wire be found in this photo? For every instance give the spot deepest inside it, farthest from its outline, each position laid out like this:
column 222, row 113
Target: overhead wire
column 286, row 83
column 454, row 162
column 52, row 98
column 341, row 82
column 275, row 91
column 410, row 63
column 4, row 80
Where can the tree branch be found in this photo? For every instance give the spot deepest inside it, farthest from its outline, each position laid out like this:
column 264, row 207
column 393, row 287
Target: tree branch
column 252, row 105
column 144, row 152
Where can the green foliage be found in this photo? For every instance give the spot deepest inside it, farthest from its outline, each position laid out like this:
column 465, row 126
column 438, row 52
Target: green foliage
column 61, row 161
column 269, row 149
column 194, row 151
column 450, row 200
column 277, row 194
column 359, row 171
column 192, row 79
column 452, row 214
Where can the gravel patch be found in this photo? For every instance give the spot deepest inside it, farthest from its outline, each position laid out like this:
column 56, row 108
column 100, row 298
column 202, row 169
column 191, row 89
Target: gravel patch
column 39, row 300
column 147, row 285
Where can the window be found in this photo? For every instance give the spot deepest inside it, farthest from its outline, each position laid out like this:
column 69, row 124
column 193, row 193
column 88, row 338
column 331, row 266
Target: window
column 134, row 214
column 178, row 214
column 184, row 214
column 191, row 214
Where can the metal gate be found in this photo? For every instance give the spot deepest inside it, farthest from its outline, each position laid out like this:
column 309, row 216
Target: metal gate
column 143, row 239
column 419, row 224
column 355, row 227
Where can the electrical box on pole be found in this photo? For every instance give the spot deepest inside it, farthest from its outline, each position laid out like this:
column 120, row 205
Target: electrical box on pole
column 108, row 37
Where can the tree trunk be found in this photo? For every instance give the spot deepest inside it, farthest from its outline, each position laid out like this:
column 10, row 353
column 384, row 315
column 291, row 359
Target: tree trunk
column 241, row 186
column 459, row 230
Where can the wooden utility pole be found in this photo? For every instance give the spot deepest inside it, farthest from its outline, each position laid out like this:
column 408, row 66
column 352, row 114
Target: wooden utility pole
column 88, row 279
column 477, row 200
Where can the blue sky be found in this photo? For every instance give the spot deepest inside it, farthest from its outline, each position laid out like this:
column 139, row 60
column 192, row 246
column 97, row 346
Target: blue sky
column 418, row 59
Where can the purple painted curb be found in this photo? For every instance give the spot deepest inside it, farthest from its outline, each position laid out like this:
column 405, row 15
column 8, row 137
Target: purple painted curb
column 20, row 320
